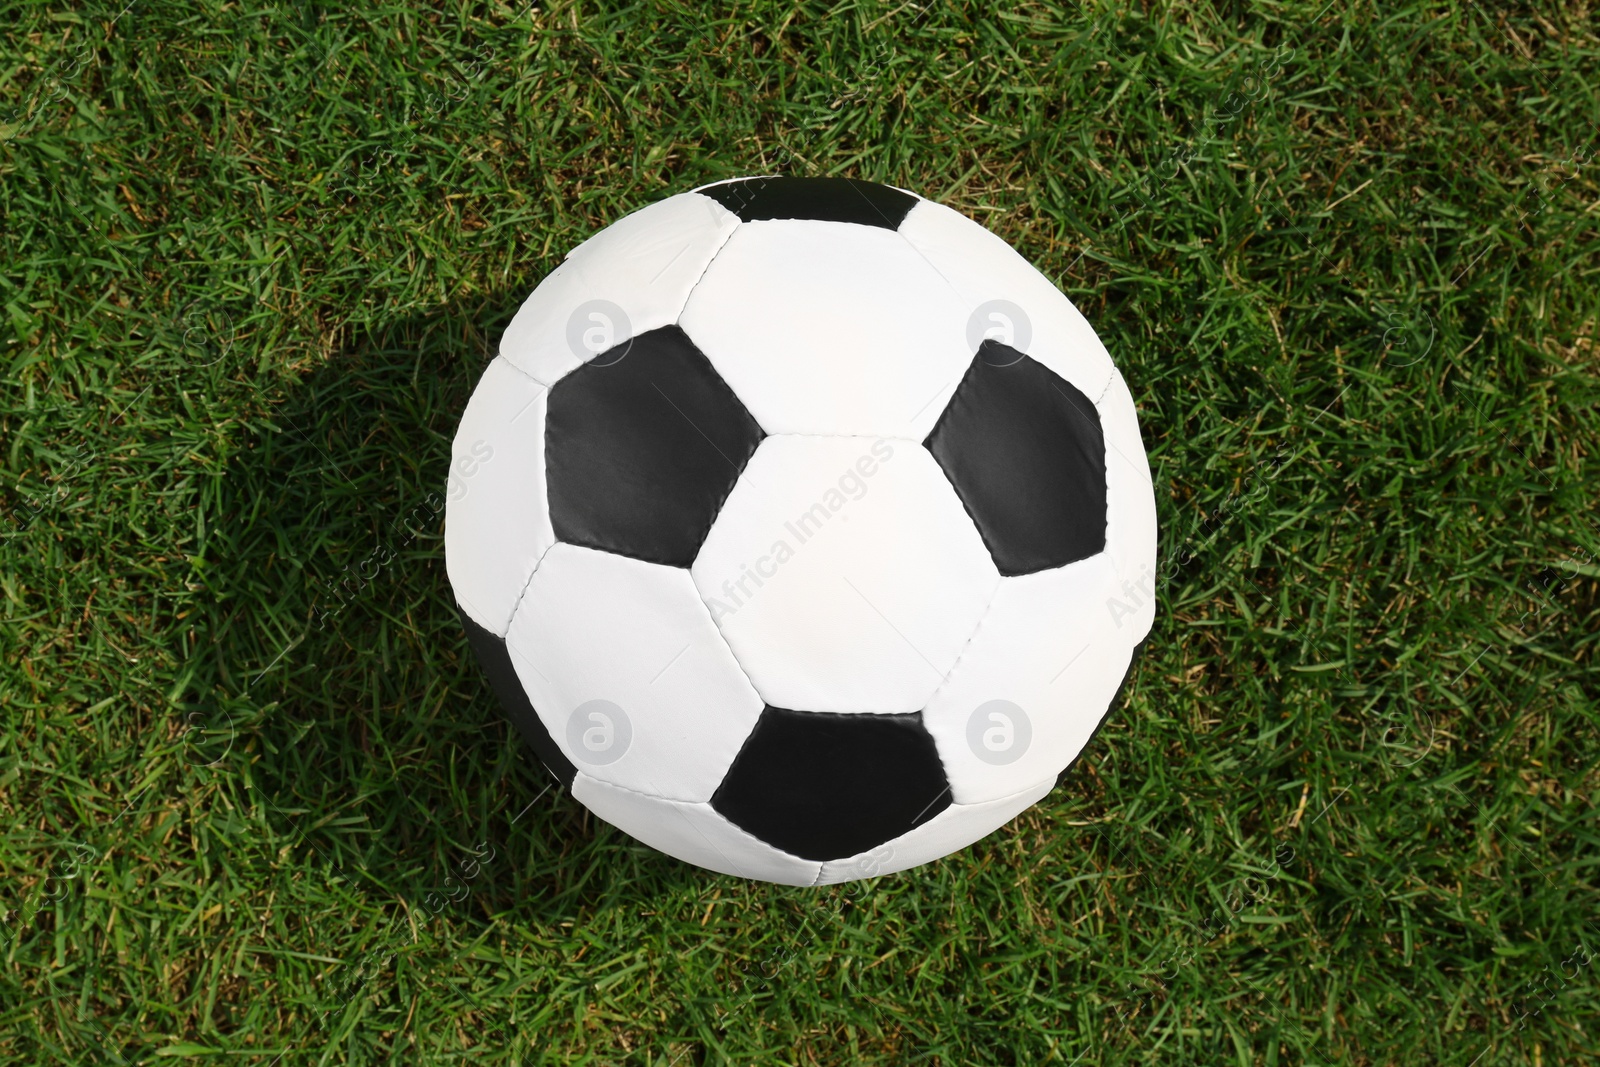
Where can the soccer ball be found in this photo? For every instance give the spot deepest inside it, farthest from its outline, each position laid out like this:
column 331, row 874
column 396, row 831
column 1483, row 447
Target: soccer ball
column 802, row 528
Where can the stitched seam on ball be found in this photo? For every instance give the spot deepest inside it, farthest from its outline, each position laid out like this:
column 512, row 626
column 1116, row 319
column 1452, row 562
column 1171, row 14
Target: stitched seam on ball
column 1105, row 457
column 923, row 255
column 1105, row 388
column 544, row 464
column 744, row 741
column 988, row 608
column 707, row 805
column 506, row 360
column 751, row 682
column 641, row 793
column 961, row 377
column 526, row 586
column 678, row 316
column 1105, row 480
column 712, row 845
column 912, row 441
column 1012, row 796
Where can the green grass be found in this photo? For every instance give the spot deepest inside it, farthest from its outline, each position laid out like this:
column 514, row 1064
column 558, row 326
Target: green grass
column 252, row 263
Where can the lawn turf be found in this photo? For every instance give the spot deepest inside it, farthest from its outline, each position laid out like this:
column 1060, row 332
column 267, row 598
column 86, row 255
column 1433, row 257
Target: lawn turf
column 257, row 804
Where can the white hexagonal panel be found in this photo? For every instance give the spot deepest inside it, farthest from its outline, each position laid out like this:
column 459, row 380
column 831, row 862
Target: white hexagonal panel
column 1035, row 681
column 632, row 276
column 830, row 328
column 694, row 833
column 626, row 670
column 497, row 521
column 845, row 574
column 1008, row 298
column 954, row 828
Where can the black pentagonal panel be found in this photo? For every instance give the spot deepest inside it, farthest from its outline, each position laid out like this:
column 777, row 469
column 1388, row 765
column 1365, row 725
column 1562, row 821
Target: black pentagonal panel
column 1026, row 454
column 826, row 199
column 824, row 785
column 642, row 448
column 496, row 662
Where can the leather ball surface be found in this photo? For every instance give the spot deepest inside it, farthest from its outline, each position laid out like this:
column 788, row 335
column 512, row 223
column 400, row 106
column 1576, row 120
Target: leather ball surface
column 802, row 528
